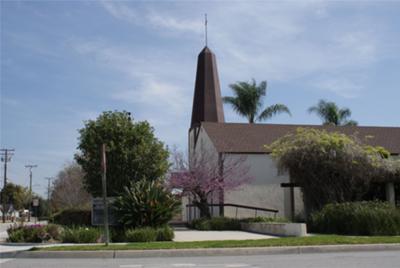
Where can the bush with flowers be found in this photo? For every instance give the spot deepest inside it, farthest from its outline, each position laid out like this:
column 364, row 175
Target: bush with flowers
column 36, row 233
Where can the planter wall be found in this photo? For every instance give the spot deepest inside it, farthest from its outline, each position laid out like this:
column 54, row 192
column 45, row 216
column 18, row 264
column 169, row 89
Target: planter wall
column 280, row 229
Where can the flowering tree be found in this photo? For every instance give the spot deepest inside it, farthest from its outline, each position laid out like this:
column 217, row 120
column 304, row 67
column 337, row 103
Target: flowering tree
column 205, row 175
column 331, row 167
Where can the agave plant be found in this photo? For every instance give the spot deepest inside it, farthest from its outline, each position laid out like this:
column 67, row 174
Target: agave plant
column 145, row 203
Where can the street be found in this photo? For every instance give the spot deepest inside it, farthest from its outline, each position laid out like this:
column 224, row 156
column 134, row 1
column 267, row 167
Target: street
column 381, row 259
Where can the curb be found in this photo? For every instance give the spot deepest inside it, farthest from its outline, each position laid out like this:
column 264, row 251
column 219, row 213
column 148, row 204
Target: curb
column 119, row 254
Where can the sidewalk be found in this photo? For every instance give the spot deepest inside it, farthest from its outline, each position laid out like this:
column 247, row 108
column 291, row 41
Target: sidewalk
column 180, row 236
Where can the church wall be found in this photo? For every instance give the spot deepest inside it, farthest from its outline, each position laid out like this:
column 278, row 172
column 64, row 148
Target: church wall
column 264, row 191
column 203, row 144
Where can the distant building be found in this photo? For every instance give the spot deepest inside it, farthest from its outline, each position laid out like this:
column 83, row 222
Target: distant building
column 209, row 131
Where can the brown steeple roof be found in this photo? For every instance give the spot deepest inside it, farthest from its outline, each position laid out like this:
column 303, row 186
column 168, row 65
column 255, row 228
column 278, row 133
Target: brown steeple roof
column 207, row 102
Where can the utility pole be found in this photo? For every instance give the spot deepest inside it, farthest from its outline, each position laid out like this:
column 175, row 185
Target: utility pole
column 48, row 194
column 30, row 189
column 104, row 184
column 5, row 157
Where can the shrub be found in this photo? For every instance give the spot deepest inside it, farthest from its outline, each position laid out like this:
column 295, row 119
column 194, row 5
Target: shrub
column 217, row 223
column 72, row 217
column 117, row 234
column 16, row 236
column 54, row 231
column 145, row 204
column 357, row 218
column 264, row 219
column 165, row 233
column 33, row 233
column 81, row 234
column 145, row 234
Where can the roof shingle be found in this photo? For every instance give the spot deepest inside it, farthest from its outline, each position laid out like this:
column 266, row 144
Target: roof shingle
column 251, row 138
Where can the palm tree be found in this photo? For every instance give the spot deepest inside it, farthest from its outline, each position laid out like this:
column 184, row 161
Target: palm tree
column 248, row 101
column 330, row 113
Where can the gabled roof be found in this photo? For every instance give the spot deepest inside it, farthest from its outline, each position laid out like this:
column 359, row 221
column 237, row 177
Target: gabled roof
column 251, row 138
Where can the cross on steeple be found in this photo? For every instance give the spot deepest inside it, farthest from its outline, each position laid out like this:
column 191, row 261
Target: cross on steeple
column 205, row 28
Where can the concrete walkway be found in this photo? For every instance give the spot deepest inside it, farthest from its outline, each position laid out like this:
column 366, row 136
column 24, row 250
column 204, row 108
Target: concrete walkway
column 193, row 235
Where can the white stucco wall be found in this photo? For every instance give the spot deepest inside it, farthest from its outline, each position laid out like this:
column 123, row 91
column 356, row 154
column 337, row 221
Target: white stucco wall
column 264, row 191
column 203, row 144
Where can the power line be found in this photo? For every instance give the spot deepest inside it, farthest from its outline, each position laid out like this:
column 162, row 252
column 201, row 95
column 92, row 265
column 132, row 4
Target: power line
column 6, row 155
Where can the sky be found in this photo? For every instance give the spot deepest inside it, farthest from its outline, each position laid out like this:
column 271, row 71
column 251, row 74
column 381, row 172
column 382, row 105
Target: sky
column 64, row 62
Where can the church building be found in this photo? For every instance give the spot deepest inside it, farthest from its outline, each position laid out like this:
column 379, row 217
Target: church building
column 209, row 131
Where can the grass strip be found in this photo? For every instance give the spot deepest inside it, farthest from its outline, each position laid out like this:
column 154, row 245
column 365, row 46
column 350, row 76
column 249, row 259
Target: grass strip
column 287, row 241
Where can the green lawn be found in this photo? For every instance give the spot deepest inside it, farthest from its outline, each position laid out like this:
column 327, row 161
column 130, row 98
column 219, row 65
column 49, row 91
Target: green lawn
column 289, row 241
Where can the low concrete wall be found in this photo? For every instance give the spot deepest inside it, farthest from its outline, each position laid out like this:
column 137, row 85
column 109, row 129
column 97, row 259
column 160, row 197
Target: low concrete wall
column 280, row 229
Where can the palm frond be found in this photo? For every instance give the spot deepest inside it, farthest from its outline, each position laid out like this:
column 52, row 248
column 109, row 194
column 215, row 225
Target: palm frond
column 350, row 123
column 273, row 110
column 344, row 113
column 247, row 100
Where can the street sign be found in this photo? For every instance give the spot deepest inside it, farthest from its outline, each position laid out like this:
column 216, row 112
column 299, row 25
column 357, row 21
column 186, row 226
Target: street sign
column 35, row 202
column 98, row 211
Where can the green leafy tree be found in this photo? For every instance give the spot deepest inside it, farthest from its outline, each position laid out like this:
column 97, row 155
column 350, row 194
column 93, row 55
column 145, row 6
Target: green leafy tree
column 133, row 152
column 16, row 195
column 247, row 101
column 329, row 167
column 331, row 114
column 146, row 203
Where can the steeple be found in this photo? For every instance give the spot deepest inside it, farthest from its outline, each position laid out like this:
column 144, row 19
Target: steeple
column 207, row 102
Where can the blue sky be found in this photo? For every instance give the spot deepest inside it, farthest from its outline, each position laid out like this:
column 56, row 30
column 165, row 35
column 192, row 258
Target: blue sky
column 63, row 62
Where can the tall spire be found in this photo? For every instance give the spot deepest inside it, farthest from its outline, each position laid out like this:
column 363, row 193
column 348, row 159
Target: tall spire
column 207, row 102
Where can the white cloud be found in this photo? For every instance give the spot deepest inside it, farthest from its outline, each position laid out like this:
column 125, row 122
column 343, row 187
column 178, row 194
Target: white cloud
column 155, row 87
column 343, row 87
column 174, row 24
column 287, row 41
column 271, row 40
column 120, row 11
column 156, row 19
column 156, row 95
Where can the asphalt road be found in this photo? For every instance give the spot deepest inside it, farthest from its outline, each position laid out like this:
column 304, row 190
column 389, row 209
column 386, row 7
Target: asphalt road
column 381, row 259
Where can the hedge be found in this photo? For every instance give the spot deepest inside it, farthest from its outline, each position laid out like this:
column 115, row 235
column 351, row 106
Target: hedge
column 357, row 218
column 73, row 217
column 149, row 234
column 81, row 235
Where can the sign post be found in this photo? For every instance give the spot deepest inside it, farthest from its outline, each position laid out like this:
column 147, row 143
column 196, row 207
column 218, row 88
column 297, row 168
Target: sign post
column 292, row 205
column 104, row 169
column 35, row 204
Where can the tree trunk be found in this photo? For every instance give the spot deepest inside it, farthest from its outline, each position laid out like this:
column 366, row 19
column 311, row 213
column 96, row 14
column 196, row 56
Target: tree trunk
column 202, row 205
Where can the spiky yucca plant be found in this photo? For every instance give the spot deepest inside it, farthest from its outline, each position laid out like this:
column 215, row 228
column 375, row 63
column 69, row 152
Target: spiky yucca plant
column 145, row 203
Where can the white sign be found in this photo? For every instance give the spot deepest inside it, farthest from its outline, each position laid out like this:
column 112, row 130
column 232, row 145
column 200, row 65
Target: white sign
column 35, row 202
